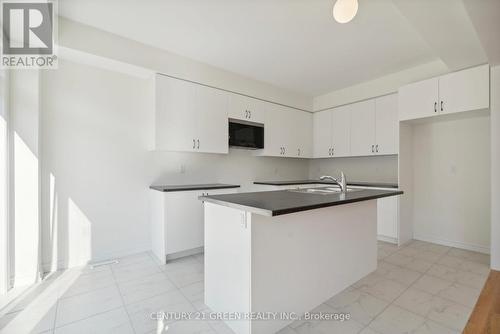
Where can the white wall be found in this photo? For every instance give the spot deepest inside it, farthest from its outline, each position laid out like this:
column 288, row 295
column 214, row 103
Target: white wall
column 24, row 196
column 96, row 170
column 451, row 185
column 495, row 168
column 4, row 184
column 370, row 169
column 381, row 86
column 83, row 38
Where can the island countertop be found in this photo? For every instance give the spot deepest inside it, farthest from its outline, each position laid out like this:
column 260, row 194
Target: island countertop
column 281, row 202
column 349, row 183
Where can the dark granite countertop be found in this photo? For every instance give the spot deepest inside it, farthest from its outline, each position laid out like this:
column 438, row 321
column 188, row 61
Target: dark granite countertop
column 188, row 187
column 349, row 183
column 280, row 202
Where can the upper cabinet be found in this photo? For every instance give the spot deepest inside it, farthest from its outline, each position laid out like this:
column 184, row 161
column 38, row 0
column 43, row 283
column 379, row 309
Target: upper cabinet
column 386, row 125
column 465, row 90
column 287, row 133
column 300, row 134
column 210, row 110
column 322, row 134
column 460, row 91
column 246, row 108
column 419, row 100
column 190, row 118
column 331, row 132
column 341, row 131
column 364, row 128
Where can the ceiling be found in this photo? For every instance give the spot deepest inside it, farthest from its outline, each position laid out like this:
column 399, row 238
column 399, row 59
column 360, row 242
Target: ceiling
column 294, row 44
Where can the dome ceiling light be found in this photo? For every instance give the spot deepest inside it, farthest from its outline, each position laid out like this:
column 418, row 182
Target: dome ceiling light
column 345, row 10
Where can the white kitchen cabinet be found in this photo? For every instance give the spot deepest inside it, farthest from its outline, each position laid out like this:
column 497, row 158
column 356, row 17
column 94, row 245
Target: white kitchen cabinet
column 274, row 132
column 177, row 222
column 322, row 134
column 210, row 108
column 341, row 131
column 299, row 136
column 331, row 136
column 287, row 133
column 418, row 100
column 190, row 117
column 175, row 121
column 246, row 108
column 386, row 125
column 363, row 128
column 388, row 219
column 465, row 90
column 360, row 129
column 387, row 216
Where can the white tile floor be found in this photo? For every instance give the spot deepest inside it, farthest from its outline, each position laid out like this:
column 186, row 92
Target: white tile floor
column 419, row 288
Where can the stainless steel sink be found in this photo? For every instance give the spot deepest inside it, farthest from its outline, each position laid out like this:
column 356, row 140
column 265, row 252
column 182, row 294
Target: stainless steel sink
column 321, row 191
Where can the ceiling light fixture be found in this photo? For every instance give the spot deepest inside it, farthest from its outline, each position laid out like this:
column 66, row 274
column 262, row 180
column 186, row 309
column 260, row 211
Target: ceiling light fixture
column 345, row 10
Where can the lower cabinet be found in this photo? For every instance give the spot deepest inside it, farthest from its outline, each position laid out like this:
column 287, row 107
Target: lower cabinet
column 177, row 222
column 388, row 219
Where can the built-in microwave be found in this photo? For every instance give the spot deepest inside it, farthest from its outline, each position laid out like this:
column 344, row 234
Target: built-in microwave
column 245, row 134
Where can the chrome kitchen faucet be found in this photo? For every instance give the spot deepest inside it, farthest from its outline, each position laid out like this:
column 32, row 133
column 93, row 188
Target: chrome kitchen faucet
column 342, row 183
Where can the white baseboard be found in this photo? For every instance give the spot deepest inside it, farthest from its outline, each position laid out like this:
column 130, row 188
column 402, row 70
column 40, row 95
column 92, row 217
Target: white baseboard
column 63, row 263
column 387, row 239
column 452, row 243
column 185, row 253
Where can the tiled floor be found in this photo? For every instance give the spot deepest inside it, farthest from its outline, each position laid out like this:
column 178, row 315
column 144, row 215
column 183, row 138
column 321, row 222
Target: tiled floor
column 419, row 288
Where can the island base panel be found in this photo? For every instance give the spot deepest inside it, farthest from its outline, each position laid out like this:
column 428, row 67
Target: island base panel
column 288, row 263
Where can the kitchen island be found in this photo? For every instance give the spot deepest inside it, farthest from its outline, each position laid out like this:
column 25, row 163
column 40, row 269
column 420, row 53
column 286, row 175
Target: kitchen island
column 286, row 251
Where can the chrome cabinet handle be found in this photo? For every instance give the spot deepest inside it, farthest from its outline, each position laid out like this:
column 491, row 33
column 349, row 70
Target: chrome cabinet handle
column 194, row 144
column 373, row 148
column 198, row 144
column 249, row 114
column 246, row 113
column 376, row 148
column 329, row 151
column 298, row 152
column 435, row 107
column 333, row 151
column 442, row 105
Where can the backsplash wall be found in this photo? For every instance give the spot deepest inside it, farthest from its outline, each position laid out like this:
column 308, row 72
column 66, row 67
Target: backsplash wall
column 372, row 169
column 239, row 167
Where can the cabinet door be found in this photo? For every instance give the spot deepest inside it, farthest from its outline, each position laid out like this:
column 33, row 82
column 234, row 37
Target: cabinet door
column 418, row 100
column 363, row 128
column 297, row 134
column 465, row 90
column 341, row 131
column 387, row 124
column 246, row 108
column 274, row 131
column 387, row 217
column 175, row 121
column 184, row 221
column 212, row 121
column 322, row 134
column 304, row 132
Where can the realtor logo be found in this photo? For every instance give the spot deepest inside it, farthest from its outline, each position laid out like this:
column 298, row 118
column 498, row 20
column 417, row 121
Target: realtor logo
column 28, row 35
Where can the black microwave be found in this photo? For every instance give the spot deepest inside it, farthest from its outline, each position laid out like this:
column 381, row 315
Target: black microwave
column 246, row 135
